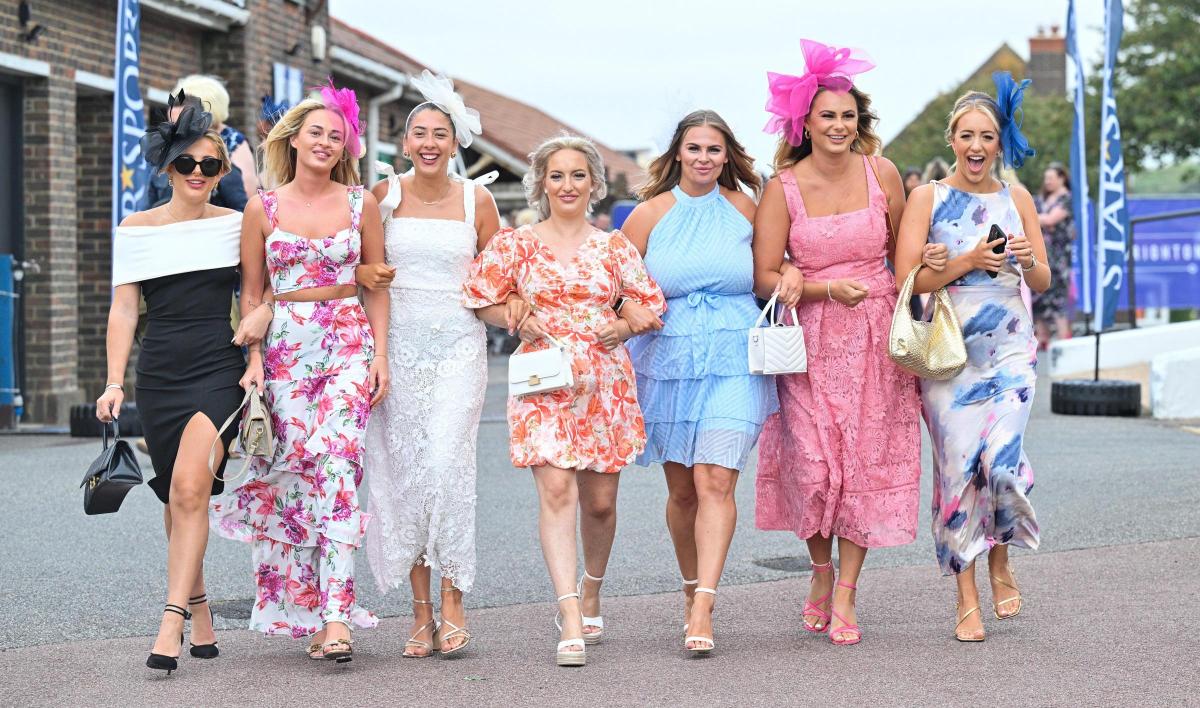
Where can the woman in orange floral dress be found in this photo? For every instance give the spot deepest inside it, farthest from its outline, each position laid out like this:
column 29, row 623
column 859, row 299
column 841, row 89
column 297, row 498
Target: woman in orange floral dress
column 576, row 440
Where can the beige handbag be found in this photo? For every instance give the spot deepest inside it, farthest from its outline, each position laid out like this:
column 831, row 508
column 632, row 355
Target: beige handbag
column 542, row 371
column 931, row 350
column 255, row 437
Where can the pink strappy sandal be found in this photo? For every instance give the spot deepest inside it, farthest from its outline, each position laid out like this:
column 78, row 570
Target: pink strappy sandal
column 837, row 635
column 811, row 608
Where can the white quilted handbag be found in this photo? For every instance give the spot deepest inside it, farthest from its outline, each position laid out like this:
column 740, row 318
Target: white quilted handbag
column 542, row 371
column 776, row 348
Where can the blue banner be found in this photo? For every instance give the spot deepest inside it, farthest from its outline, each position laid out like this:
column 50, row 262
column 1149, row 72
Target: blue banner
column 130, row 172
column 1114, row 221
column 1079, row 181
column 1166, row 254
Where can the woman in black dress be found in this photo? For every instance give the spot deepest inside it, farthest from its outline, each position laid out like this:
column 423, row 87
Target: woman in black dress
column 183, row 258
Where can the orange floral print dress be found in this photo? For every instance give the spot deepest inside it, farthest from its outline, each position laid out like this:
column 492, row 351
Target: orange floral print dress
column 597, row 424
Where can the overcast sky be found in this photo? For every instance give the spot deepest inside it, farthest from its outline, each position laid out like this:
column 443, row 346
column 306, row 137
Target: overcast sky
column 625, row 71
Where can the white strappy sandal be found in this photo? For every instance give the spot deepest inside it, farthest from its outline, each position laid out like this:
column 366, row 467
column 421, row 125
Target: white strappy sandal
column 598, row 621
column 565, row 656
column 687, row 583
column 707, row 643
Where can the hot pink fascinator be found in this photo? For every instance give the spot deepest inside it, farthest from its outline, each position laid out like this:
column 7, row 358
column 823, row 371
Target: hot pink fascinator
column 345, row 103
column 791, row 97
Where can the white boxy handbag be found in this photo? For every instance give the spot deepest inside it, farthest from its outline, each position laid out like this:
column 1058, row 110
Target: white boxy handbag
column 776, row 348
column 541, row 371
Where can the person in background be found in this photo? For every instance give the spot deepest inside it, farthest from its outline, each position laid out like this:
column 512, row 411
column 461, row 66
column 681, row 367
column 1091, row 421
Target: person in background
column 935, row 169
column 215, row 99
column 912, row 180
column 1051, row 309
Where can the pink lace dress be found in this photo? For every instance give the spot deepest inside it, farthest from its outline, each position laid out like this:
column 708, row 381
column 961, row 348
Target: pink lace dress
column 842, row 457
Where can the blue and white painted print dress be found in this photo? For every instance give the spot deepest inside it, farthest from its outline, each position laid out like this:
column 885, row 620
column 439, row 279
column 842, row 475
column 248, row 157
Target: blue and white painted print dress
column 977, row 419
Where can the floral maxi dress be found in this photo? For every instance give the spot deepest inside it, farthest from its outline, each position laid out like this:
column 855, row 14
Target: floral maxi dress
column 300, row 510
column 597, row 424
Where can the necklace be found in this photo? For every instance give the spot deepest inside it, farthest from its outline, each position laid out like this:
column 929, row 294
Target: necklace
column 175, row 216
column 437, row 201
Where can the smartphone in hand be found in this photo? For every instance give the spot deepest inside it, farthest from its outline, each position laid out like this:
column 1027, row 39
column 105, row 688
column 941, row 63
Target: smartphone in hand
column 997, row 233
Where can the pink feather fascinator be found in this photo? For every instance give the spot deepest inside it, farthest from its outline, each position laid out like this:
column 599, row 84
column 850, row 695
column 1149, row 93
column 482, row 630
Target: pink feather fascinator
column 791, row 97
column 345, row 103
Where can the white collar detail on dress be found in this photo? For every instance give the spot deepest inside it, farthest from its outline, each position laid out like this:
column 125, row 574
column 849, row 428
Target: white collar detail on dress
column 146, row 252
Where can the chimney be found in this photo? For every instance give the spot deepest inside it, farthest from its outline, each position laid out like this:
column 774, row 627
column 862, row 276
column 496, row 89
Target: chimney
column 1048, row 62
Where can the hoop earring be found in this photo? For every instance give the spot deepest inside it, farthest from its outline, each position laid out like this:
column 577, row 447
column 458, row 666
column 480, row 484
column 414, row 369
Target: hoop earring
column 405, row 155
column 171, row 183
column 806, row 135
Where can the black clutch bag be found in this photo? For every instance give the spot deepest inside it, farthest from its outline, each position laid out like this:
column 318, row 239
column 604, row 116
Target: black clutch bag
column 111, row 476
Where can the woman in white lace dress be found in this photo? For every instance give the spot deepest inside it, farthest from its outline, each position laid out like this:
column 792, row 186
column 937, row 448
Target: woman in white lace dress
column 420, row 449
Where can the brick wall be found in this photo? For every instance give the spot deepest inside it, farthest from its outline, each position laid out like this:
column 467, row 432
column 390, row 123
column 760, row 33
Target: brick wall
column 93, row 210
column 51, row 349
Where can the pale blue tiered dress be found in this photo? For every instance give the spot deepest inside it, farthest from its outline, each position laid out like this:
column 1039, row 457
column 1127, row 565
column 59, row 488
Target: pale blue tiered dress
column 701, row 404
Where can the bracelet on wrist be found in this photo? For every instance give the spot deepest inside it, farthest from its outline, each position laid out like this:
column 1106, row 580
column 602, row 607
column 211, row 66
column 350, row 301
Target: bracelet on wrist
column 114, row 385
column 828, row 291
column 380, row 356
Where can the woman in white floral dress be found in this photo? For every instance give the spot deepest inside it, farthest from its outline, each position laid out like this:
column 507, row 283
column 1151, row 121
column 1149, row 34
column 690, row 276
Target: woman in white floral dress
column 420, row 450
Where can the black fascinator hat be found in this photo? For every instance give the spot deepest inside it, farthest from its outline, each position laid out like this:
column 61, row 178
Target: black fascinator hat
column 167, row 141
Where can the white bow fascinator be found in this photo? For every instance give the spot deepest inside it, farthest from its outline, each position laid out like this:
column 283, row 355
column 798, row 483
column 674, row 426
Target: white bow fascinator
column 439, row 91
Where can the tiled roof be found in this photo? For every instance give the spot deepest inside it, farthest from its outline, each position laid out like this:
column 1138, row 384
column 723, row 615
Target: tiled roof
column 512, row 126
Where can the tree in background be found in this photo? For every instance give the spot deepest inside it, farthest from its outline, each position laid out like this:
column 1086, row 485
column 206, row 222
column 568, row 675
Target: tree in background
column 1158, row 97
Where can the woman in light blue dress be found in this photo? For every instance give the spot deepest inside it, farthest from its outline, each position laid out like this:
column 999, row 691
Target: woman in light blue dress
column 977, row 419
column 702, row 407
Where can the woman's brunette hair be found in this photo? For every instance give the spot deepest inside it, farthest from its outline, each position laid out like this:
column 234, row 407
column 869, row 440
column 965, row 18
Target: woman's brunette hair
column 1063, row 174
column 866, row 143
column 665, row 171
column 279, row 157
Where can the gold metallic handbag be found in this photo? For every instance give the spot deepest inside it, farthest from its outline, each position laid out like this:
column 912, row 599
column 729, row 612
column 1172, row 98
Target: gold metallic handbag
column 931, row 350
column 255, row 437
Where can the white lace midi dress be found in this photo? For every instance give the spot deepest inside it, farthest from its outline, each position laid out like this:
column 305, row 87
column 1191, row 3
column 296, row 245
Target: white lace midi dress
column 420, row 449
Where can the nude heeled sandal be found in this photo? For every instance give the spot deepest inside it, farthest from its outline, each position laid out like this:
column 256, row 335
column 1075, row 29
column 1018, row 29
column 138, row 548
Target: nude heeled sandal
column 564, row 656
column 1018, row 599
column 429, row 647
column 707, row 643
column 962, row 619
column 455, row 631
column 598, row 621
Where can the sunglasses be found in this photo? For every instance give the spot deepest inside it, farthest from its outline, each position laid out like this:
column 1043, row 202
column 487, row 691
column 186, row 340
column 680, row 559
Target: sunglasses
column 209, row 166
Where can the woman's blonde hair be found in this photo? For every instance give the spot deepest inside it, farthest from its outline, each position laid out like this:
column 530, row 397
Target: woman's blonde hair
column 867, row 142
column 279, row 157
column 974, row 101
column 535, row 192
column 666, row 170
column 211, row 92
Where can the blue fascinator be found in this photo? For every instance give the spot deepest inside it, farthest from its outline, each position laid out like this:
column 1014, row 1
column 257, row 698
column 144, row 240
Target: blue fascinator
column 1009, row 96
column 271, row 110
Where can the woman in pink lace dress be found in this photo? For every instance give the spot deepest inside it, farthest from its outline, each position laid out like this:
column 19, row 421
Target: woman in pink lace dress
column 842, row 456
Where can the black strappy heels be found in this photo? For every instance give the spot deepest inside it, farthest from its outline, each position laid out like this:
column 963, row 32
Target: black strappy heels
column 203, row 651
column 162, row 662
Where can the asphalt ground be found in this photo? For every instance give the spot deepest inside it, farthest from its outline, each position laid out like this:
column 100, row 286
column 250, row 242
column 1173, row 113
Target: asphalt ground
column 1112, row 616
